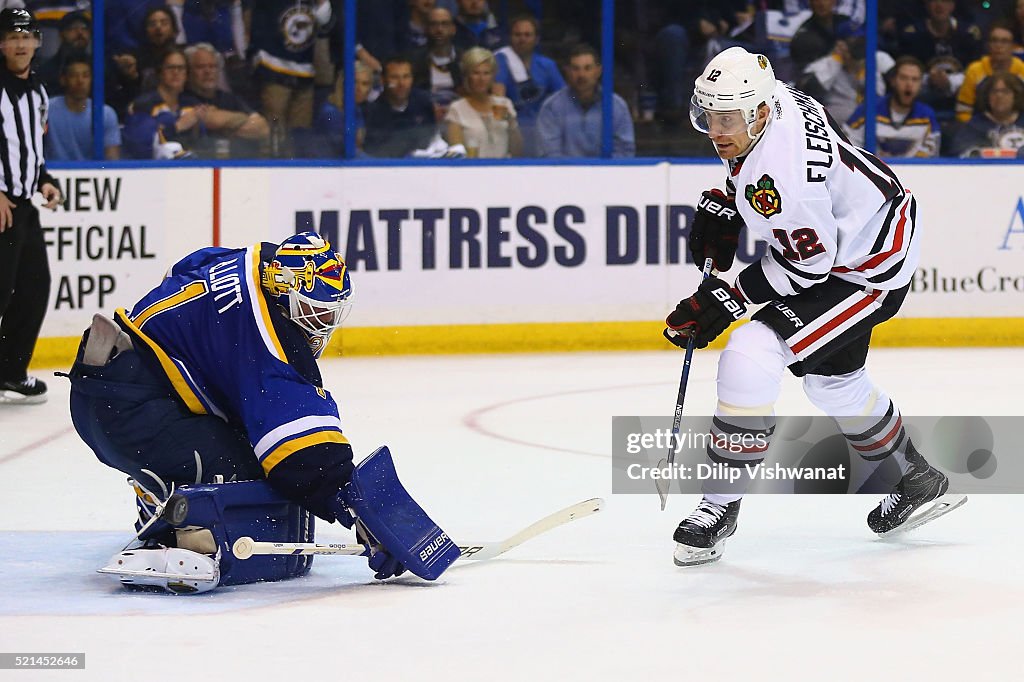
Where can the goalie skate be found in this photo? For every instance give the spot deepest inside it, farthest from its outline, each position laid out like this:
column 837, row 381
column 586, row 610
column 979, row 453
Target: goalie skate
column 170, row 568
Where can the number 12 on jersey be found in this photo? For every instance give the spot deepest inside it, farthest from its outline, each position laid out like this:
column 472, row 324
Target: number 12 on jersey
column 800, row 245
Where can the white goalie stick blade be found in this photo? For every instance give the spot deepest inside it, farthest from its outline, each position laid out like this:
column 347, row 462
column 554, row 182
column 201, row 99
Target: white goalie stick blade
column 488, row 550
column 246, row 547
column 940, row 507
column 684, row 555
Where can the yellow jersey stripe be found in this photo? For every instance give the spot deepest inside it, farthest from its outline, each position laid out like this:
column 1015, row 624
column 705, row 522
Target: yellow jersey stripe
column 181, row 387
column 190, row 291
column 260, row 308
column 287, row 448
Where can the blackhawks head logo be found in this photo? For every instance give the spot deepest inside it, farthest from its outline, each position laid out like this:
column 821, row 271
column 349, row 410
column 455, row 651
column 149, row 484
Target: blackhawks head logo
column 763, row 197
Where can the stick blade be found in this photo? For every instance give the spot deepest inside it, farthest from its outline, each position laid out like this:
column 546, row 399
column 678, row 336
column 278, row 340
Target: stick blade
column 489, row 550
column 662, row 484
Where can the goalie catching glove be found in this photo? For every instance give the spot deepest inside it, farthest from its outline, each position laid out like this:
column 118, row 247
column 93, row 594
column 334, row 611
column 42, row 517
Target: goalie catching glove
column 715, row 232
column 705, row 315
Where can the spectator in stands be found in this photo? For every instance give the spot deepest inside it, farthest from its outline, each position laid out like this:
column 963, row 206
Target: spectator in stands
column 999, row 59
column 711, row 25
column 436, row 67
column 231, row 127
column 283, row 36
column 837, row 80
column 942, row 80
column 215, row 22
column 161, row 33
column 905, row 127
column 122, row 83
column 570, row 121
column 69, row 134
column 940, row 34
column 419, row 14
column 855, row 9
column 1017, row 23
column 75, row 36
column 164, row 115
column 380, row 29
column 475, row 26
column 485, row 124
column 997, row 127
column 816, row 37
column 401, row 120
column 329, row 122
column 528, row 76
column 123, row 26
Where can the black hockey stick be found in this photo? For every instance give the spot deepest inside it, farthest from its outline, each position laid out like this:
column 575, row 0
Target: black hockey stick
column 665, row 464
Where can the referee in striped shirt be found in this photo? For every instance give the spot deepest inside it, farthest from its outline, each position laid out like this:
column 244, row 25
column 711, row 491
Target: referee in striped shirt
column 24, row 270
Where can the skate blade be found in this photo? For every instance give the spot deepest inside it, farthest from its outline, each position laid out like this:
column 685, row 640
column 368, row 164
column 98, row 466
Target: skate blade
column 940, row 507
column 15, row 398
column 684, row 555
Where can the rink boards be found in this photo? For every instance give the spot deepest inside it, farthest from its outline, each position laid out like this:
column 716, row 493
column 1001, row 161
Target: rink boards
column 505, row 258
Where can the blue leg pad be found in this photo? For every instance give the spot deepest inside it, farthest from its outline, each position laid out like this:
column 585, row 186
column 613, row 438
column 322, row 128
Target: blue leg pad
column 387, row 510
column 244, row 508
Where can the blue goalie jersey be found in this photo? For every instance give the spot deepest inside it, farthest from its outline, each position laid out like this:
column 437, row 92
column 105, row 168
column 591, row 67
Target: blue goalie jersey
column 229, row 351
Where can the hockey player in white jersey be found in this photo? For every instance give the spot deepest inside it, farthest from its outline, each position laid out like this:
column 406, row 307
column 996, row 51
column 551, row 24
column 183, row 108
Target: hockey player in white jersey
column 843, row 244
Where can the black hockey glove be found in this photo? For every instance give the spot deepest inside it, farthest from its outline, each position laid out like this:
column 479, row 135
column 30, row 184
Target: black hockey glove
column 715, row 232
column 706, row 314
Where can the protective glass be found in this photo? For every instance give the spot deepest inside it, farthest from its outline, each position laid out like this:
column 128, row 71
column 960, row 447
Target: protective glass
column 716, row 122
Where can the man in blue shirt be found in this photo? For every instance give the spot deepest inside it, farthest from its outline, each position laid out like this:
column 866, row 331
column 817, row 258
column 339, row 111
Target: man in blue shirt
column 475, row 26
column 69, row 136
column 569, row 123
column 529, row 78
column 402, row 119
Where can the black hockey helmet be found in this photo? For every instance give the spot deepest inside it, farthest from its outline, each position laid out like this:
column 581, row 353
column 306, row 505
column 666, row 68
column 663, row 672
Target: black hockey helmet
column 18, row 20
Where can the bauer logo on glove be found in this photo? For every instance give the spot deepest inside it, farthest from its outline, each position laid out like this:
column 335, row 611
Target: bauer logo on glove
column 715, row 231
column 705, row 315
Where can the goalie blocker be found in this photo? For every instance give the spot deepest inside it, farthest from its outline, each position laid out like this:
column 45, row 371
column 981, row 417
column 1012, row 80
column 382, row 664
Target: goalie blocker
column 188, row 548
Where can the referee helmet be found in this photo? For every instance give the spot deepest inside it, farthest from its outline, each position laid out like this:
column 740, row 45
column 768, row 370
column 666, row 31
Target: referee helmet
column 18, row 21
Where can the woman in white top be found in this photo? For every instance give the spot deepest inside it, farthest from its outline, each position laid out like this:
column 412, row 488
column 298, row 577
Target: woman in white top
column 484, row 123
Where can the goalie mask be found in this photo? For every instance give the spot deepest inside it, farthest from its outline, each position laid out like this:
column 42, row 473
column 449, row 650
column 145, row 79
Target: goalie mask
column 310, row 280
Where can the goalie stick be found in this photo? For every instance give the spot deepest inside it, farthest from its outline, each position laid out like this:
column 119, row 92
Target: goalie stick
column 662, row 484
column 246, row 547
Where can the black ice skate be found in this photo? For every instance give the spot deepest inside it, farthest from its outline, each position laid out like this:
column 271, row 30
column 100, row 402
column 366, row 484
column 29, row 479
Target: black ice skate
column 902, row 509
column 701, row 535
column 28, row 391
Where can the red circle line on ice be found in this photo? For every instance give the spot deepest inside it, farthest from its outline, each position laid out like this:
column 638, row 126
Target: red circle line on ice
column 473, row 420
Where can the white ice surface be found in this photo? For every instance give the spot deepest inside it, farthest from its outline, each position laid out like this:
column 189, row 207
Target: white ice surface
column 489, row 444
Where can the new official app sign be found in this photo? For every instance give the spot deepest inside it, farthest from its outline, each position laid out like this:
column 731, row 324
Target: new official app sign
column 115, row 234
